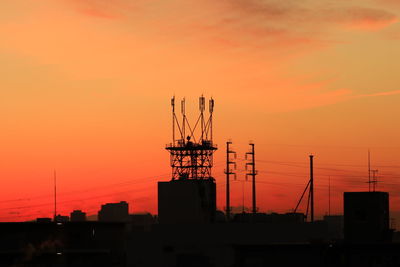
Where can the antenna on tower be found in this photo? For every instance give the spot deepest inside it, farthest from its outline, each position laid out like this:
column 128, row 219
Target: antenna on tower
column 191, row 152
column 183, row 111
column 202, row 107
column 173, row 118
column 374, row 180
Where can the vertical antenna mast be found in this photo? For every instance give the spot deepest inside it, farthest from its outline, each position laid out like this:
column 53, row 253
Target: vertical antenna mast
column 55, row 194
column 173, row 119
column 202, row 106
column 369, row 171
column 374, row 180
column 253, row 174
column 211, row 109
column 329, row 195
column 183, row 119
column 312, row 187
column 191, row 155
column 228, row 172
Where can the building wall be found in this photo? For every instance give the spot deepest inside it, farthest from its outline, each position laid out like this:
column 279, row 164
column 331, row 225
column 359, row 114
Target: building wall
column 78, row 216
column 366, row 217
column 114, row 212
column 186, row 201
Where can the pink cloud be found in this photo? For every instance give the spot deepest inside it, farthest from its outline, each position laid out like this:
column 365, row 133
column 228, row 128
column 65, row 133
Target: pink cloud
column 364, row 18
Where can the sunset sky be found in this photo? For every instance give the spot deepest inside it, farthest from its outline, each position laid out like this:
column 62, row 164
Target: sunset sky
column 85, row 89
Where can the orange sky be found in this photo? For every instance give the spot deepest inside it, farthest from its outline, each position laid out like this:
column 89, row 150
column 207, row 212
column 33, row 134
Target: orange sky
column 85, row 87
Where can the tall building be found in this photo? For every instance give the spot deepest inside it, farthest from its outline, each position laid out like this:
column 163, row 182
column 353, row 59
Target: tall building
column 190, row 196
column 366, row 217
column 186, row 201
column 114, row 212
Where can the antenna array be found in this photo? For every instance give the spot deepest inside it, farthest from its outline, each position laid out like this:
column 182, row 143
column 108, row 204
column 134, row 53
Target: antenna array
column 192, row 148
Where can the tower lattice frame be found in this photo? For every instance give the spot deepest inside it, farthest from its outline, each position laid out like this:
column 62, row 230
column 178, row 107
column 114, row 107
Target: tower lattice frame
column 192, row 148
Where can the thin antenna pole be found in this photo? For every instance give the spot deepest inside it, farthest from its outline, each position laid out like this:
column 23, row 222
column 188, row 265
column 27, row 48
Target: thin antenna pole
column 312, row 187
column 173, row 119
column 369, row 171
column 55, row 194
column 329, row 195
column 374, row 179
column 211, row 109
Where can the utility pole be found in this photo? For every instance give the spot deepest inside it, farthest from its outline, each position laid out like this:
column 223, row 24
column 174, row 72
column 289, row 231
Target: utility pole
column 329, row 195
column 253, row 174
column 228, row 172
column 312, row 187
column 55, row 195
column 369, row 171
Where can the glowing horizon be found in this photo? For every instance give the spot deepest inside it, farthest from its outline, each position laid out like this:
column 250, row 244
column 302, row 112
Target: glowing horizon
column 86, row 88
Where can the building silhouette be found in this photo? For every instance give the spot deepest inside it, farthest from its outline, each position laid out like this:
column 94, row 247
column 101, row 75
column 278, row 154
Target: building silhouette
column 189, row 231
column 186, row 201
column 142, row 219
column 78, row 216
column 190, row 196
column 114, row 212
column 366, row 217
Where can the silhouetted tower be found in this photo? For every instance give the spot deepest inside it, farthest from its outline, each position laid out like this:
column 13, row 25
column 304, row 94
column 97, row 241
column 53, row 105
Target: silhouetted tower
column 192, row 152
column 55, row 195
column 190, row 196
column 369, row 171
column 310, row 188
column 252, row 172
column 329, row 195
column 228, row 172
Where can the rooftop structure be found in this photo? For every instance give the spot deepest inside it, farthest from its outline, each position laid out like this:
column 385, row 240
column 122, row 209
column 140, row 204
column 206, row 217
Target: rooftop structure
column 192, row 147
column 190, row 196
column 114, row 212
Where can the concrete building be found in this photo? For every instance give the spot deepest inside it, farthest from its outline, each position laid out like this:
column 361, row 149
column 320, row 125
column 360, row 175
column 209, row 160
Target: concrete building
column 114, row 212
column 366, row 217
column 78, row 216
column 186, row 201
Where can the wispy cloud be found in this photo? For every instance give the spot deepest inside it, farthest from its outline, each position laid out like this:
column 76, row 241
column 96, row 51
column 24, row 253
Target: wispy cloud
column 387, row 93
column 363, row 18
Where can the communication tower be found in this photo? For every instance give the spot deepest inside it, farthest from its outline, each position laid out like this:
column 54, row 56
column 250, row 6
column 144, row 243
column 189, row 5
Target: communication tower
column 192, row 147
column 190, row 196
